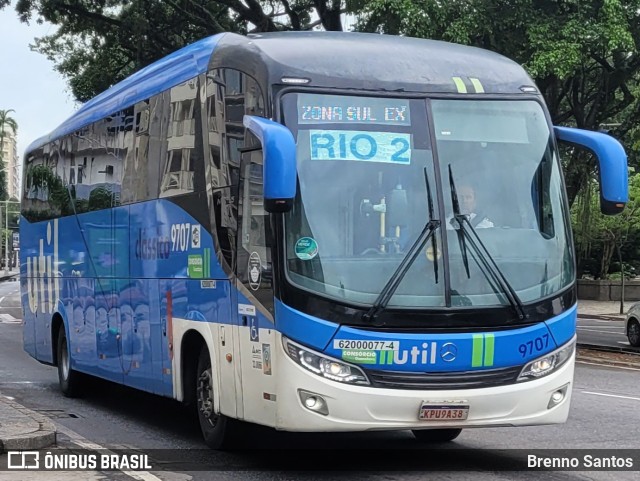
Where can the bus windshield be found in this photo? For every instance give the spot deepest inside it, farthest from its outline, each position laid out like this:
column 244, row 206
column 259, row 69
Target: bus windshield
column 362, row 200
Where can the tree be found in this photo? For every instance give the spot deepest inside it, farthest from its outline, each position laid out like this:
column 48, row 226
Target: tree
column 583, row 54
column 100, row 43
column 606, row 235
column 6, row 121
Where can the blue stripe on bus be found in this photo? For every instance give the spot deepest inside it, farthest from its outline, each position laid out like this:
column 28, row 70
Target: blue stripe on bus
column 451, row 352
column 563, row 327
column 298, row 326
column 172, row 70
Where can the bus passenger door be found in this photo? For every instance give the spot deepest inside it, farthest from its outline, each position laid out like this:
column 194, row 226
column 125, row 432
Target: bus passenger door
column 229, row 392
column 226, row 353
column 255, row 293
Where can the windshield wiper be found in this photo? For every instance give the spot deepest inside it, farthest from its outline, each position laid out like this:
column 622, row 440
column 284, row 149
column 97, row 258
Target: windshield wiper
column 396, row 278
column 456, row 214
column 485, row 262
column 434, row 241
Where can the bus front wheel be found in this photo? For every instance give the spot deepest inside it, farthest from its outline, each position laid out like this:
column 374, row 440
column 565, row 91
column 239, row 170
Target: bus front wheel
column 216, row 428
column 436, row 435
column 68, row 378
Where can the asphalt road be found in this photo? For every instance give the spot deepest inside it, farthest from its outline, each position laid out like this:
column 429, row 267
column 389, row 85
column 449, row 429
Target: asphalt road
column 605, row 415
column 610, row 333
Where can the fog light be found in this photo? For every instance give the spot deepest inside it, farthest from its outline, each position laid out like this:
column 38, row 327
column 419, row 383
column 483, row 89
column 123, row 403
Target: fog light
column 313, row 402
column 557, row 397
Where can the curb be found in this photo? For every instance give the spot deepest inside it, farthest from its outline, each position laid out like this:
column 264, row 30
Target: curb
column 42, row 437
column 598, row 347
column 603, row 317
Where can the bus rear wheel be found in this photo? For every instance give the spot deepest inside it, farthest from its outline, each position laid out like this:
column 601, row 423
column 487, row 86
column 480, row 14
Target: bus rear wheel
column 216, row 428
column 436, row 435
column 68, row 379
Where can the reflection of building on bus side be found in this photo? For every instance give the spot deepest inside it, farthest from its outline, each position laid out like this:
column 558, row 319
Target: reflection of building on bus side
column 178, row 171
column 83, row 167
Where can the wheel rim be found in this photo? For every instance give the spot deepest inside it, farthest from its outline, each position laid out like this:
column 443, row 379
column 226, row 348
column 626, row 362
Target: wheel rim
column 64, row 361
column 205, row 398
column 634, row 333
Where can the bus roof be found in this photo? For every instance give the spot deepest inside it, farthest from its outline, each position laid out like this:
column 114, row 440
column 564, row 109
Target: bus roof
column 403, row 64
column 161, row 75
column 373, row 62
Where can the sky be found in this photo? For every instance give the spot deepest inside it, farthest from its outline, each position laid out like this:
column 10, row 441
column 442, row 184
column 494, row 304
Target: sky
column 28, row 82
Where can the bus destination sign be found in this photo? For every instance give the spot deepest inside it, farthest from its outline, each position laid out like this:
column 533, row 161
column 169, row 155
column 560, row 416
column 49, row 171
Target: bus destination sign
column 332, row 109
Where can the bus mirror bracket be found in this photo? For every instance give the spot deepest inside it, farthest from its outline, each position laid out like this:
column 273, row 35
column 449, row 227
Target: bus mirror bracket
column 612, row 165
column 279, row 164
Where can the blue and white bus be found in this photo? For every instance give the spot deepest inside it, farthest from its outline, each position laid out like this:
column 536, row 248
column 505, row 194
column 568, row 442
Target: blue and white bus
column 313, row 232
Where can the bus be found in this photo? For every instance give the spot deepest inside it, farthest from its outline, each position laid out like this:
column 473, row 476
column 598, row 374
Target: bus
column 313, row 231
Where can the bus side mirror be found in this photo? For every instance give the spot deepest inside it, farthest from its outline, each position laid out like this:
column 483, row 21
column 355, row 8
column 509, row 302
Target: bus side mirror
column 612, row 165
column 279, row 162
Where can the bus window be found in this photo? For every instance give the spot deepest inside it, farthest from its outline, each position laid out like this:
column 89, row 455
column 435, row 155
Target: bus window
column 183, row 169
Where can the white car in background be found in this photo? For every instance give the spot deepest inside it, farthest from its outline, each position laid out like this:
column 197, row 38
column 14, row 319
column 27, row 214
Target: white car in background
column 633, row 325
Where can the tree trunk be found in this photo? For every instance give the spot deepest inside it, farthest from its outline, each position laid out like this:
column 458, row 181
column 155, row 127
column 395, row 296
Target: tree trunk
column 576, row 174
column 621, row 277
column 329, row 15
column 608, row 248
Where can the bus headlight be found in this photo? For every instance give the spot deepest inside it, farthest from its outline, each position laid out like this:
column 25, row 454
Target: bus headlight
column 548, row 363
column 324, row 366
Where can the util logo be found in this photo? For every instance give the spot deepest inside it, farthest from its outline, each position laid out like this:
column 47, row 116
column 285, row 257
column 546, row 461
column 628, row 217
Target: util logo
column 43, row 283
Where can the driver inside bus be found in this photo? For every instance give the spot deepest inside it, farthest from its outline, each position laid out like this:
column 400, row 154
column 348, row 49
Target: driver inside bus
column 468, row 206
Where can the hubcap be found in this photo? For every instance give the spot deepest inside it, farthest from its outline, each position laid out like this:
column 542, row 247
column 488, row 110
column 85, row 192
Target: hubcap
column 634, row 333
column 205, row 398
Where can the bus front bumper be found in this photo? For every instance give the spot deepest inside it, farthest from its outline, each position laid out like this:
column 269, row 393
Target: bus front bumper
column 363, row 408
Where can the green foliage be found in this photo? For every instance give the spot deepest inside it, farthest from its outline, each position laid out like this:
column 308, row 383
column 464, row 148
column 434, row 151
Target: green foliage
column 598, row 235
column 100, row 198
column 44, row 180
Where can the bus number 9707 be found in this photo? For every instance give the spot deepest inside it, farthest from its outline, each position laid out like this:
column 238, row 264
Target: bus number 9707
column 180, row 237
column 534, row 346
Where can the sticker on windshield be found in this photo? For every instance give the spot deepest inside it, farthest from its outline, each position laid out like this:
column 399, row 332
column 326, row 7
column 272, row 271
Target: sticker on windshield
column 255, row 271
column 364, row 146
column 306, row 248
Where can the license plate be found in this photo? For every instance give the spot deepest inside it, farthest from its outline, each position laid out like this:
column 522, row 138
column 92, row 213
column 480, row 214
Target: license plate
column 443, row 412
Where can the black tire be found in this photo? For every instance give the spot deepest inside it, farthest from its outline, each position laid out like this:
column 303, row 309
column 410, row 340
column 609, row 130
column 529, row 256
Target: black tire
column 69, row 380
column 633, row 332
column 217, row 429
column 436, row 435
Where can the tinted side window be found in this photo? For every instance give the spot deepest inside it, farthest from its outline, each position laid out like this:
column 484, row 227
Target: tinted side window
column 148, row 146
column 183, row 170
column 96, row 169
column 230, row 95
column 45, row 193
column 49, row 172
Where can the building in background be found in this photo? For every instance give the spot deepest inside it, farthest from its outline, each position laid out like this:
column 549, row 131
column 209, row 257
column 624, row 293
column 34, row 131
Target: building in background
column 12, row 163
